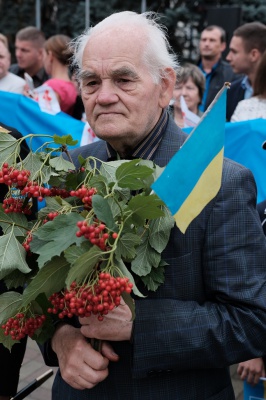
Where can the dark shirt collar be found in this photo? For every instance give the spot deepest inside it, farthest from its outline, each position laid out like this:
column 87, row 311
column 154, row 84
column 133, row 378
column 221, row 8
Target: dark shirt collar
column 147, row 147
column 38, row 79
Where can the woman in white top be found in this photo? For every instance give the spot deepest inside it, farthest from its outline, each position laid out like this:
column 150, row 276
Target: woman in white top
column 255, row 107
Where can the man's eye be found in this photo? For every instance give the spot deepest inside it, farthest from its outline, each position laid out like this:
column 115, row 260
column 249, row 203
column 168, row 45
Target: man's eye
column 126, row 84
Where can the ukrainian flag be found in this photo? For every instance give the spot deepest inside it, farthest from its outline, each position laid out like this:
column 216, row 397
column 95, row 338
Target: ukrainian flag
column 193, row 176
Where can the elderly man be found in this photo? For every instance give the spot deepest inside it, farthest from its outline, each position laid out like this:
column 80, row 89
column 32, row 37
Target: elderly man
column 8, row 82
column 210, row 312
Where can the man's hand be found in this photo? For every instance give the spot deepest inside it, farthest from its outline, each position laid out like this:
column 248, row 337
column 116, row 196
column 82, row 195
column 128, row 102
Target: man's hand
column 81, row 366
column 116, row 326
column 251, row 370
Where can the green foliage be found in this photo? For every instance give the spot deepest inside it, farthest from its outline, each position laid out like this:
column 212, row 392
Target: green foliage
column 114, row 198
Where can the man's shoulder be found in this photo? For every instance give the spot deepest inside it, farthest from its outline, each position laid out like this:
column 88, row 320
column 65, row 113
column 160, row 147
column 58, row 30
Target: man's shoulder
column 14, row 68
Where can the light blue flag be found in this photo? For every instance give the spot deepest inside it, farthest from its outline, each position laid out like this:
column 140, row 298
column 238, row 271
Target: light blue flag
column 243, row 144
column 192, row 178
column 25, row 115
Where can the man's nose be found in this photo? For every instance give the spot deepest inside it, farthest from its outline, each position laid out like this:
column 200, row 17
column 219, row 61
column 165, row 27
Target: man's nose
column 107, row 93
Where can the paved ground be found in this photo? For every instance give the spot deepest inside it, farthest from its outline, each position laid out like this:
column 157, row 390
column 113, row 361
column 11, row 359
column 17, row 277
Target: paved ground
column 33, row 366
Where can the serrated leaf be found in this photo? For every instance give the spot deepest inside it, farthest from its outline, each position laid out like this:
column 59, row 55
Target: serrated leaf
column 84, row 265
column 132, row 174
column 12, row 255
column 9, row 305
column 108, row 170
column 74, row 252
column 7, row 341
column 154, row 279
column 146, row 207
column 52, row 205
column 9, row 147
column 65, row 140
column 126, row 246
column 146, row 259
column 60, row 164
column 50, row 279
column 15, row 279
column 160, row 230
column 19, row 220
column 103, row 211
column 33, row 163
column 58, row 235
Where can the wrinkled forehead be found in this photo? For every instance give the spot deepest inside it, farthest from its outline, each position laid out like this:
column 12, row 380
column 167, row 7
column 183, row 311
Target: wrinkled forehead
column 116, row 44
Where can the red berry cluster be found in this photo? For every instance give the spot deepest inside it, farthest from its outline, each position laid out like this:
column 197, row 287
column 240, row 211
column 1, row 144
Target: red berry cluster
column 50, row 216
column 85, row 300
column 32, row 189
column 12, row 176
column 96, row 233
column 85, row 194
column 26, row 243
column 16, row 205
column 20, row 326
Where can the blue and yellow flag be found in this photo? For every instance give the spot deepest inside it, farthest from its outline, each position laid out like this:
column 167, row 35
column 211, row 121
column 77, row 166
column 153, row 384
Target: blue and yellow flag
column 193, row 176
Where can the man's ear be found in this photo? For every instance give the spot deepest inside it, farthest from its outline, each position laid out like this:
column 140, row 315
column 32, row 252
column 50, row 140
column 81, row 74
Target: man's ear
column 223, row 46
column 167, row 87
column 255, row 55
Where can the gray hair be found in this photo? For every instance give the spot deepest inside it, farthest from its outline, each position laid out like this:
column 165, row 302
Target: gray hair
column 157, row 54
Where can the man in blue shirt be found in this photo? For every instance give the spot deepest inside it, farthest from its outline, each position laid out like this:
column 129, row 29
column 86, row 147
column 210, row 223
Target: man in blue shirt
column 216, row 70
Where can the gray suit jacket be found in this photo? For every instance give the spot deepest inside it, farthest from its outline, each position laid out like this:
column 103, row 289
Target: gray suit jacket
column 209, row 313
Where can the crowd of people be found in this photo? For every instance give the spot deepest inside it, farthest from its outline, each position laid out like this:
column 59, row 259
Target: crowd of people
column 211, row 311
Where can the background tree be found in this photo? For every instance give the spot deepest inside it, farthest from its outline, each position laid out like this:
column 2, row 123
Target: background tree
column 184, row 19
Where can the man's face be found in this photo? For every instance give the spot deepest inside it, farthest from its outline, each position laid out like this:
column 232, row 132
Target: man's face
column 121, row 100
column 210, row 44
column 27, row 54
column 4, row 60
column 238, row 58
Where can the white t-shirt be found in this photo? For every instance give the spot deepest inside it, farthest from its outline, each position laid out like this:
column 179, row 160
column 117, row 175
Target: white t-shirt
column 252, row 108
column 12, row 83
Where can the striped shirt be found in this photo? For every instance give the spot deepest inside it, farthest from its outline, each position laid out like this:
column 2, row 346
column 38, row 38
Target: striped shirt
column 147, row 147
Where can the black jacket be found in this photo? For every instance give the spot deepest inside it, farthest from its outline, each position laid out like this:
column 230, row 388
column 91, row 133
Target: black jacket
column 222, row 73
column 234, row 95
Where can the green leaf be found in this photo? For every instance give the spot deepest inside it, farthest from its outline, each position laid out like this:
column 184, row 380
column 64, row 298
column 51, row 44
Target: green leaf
column 9, row 148
column 36, row 167
column 50, row 279
column 74, row 252
column 58, row 234
column 126, row 246
column 10, row 303
column 160, row 230
column 131, row 175
column 16, row 279
column 60, row 164
column 52, row 204
column 108, row 170
column 84, row 265
column 65, row 140
column 16, row 220
column 153, row 280
column 103, row 211
column 12, row 255
column 146, row 259
column 146, row 207
column 7, row 341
